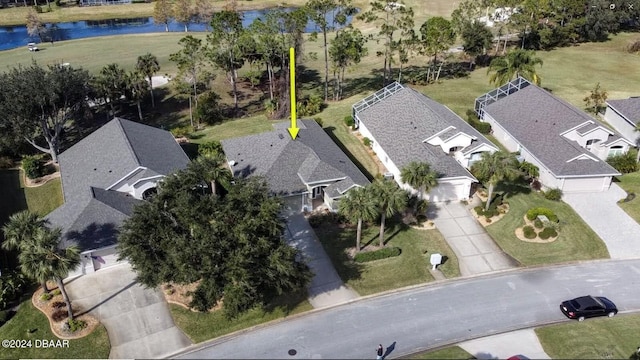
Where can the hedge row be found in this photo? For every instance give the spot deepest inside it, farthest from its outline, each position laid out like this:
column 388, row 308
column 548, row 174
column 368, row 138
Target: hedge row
column 533, row 213
column 383, row 253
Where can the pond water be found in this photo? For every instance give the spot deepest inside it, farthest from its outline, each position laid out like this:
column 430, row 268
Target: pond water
column 12, row 37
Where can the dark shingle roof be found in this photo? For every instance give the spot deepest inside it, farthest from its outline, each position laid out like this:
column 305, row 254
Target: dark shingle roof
column 536, row 119
column 628, row 108
column 91, row 214
column 401, row 122
column 288, row 165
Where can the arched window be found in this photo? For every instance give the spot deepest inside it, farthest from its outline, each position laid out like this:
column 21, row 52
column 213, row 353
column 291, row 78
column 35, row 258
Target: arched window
column 616, row 150
column 149, row 193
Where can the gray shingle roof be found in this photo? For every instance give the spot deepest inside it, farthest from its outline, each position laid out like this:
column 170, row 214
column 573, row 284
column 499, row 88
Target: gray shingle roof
column 339, row 188
column 628, row 108
column 536, row 118
column 288, row 165
column 402, row 121
column 91, row 214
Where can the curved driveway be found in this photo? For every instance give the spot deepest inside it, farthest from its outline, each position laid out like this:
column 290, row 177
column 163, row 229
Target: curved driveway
column 433, row 315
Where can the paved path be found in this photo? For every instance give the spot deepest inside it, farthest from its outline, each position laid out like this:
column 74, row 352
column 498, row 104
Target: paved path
column 138, row 320
column 503, row 346
column 476, row 251
column 326, row 288
column 600, row 210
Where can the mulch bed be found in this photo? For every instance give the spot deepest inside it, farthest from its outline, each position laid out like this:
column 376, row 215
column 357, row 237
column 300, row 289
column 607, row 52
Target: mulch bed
column 537, row 239
column 58, row 327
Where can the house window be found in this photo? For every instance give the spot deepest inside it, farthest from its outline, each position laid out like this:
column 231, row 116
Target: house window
column 590, row 143
column 453, row 150
column 474, row 157
column 616, row 150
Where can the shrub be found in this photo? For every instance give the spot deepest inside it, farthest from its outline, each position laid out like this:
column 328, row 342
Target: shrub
column 625, row 163
column 75, row 325
column 6, row 162
column 482, row 127
column 548, row 233
column 348, row 120
column 46, row 297
column 488, row 220
column 209, row 111
column 181, row 131
column 58, row 304
column 536, row 185
column 383, row 253
column 491, row 212
column 56, row 292
column 12, row 285
column 319, row 121
column 317, row 220
column 538, row 223
column 59, row 315
column 529, row 232
column 32, row 166
column 310, row 105
column 634, row 47
column 366, row 141
column 534, row 212
column 553, row 194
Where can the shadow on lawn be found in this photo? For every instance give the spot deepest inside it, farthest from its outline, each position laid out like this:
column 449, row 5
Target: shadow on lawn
column 331, row 131
column 13, row 201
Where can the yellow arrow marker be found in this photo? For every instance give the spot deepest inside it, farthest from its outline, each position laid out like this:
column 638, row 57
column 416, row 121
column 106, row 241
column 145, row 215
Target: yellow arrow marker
column 293, row 130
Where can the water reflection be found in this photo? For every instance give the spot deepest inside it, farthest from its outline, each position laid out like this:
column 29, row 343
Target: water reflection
column 17, row 36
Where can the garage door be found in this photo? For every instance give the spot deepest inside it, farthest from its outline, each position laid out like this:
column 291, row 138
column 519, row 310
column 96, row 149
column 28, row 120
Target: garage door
column 104, row 258
column 449, row 192
column 585, row 185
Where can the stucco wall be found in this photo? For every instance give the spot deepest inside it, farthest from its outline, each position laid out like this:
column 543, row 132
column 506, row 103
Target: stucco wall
column 621, row 125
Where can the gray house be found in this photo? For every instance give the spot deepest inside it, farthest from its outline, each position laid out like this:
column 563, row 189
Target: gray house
column 567, row 145
column 104, row 176
column 624, row 116
column 405, row 125
column 312, row 167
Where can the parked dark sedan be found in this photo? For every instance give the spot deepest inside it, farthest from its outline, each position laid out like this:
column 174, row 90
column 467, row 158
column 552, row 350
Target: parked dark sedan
column 588, row 306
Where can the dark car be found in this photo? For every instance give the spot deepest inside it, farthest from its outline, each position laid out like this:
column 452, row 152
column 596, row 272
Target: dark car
column 588, row 306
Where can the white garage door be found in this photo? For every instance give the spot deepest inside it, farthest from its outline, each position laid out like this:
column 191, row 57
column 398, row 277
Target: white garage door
column 104, row 258
column 449, row 192
column 586, row 185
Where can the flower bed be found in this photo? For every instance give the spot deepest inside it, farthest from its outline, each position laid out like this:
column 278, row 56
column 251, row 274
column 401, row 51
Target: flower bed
column 538, row 231
column 56, row 311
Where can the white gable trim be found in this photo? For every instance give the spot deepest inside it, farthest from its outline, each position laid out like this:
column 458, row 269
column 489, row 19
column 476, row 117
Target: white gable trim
column 583, row 157
column 139, row 168
column 480, row 148
column 460, row 134
column 432, row 137
column 588, row 122
column 621, row 139
column 600, row 127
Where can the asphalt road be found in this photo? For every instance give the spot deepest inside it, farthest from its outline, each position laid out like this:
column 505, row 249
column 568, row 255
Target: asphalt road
column 434, row 315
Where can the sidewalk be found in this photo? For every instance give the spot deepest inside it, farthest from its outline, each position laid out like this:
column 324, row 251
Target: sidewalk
column 476, row 251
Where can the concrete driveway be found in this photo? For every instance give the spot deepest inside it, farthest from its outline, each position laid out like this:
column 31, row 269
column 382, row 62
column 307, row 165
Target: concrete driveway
column 600, row 210
column 138, row 320
column 476, row 251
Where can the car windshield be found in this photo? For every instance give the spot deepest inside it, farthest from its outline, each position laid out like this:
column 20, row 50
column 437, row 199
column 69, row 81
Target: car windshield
column 575, row 304
column 598, row 301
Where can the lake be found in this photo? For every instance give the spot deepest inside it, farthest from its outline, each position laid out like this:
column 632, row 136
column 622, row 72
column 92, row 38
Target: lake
column 12, row 37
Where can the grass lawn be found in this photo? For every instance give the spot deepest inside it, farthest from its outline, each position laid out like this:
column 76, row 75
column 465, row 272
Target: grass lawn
column 631, row 184
column 16, row 197
column 576, row 240
column 452, row 352
column 94, row 346
column 410, row 268
column 204, row 326
column 604, row 338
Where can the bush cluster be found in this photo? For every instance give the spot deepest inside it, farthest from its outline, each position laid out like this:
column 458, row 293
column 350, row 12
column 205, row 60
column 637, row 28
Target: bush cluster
column 529, row 232
column 482, row 127
column 58, row 304
column 46, row 297
column 625, row 163
column 548, row 232
column 56, row 292
column 553, row 194
column 383, row 253
column 12, row 285
column 75, row 325
column 310, row 105
column 493, row 207
column 181, row 131
column 32, row 166
column 348, row 120
column 59, row 315
column 534, row 212
column 538, row 223
column 316, row 220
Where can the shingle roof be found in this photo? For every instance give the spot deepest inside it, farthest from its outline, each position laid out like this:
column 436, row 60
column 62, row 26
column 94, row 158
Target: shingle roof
column 91, row 214
column 288, row 165
column 402, row 121
column 536, row 119
column 628, row 108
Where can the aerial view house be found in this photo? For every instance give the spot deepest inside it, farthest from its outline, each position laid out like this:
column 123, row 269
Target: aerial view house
column 307, row 172
column 405, row 125
column 567, row 145
column 104, row 176
column 624, row 116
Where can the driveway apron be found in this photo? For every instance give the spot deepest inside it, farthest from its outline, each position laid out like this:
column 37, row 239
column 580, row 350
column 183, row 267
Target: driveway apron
column 137, row 319
column 620, row 232
column 476, row 251
column 326, row 288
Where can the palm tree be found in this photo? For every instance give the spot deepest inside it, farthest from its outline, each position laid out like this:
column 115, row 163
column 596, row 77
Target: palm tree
column 419, row 176
column 358, row 205
column 390, row 199
column 18, row 234
column 148, row 65
column 211, row 169
column 45, row 259
column 516, row 63
column 494, row 168
column 136, row 89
